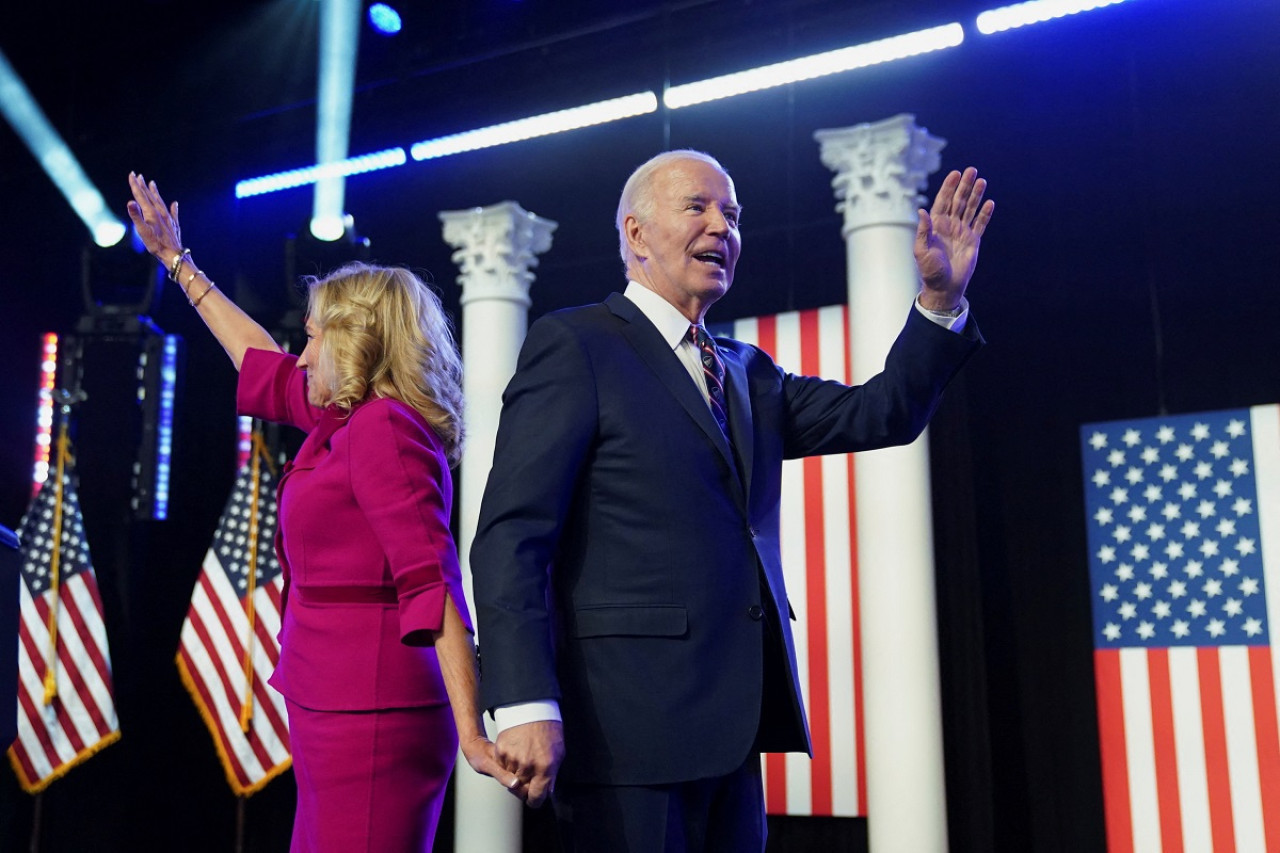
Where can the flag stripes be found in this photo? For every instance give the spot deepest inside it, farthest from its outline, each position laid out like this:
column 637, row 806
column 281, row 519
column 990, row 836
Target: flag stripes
column 818, row 545
column 81, row 717
column 216, row 637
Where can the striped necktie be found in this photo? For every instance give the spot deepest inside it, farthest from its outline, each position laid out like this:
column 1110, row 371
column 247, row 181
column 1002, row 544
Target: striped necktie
column 713, row 372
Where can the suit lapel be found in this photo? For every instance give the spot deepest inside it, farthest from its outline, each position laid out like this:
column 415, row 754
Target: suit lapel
column 316, row 446
column 741, row 424
column 655, row 352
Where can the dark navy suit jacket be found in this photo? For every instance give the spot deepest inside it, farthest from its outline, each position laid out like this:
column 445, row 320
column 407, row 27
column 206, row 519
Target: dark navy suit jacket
column 626, row 561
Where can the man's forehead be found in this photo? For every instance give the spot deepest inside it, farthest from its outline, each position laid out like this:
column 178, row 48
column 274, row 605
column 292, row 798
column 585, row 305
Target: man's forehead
column 696, row 179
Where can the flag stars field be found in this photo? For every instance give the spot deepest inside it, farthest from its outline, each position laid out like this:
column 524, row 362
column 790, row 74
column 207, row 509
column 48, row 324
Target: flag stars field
column 1192, row 537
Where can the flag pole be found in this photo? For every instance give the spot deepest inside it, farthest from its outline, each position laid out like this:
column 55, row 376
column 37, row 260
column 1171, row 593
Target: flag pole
column 69, row 395
column 246, row 708
column 55, row 564
column 35, row 822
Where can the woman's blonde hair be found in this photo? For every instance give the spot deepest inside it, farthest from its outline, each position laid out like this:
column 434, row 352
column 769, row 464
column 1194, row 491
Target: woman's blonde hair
column 384, row 333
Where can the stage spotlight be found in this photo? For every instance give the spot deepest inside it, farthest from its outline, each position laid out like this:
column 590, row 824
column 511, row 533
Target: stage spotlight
column 384, row 19
column 118, row 285
column 26, row 117
column 1021, row 14
column 307, row 255
column 817, row 65
column 330, row 228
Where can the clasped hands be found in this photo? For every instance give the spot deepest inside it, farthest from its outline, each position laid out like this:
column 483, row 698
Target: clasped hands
column 532, row 753
column 524, row 759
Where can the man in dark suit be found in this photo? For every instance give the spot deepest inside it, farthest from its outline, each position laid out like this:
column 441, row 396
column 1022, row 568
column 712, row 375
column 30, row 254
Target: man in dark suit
column 634, row 625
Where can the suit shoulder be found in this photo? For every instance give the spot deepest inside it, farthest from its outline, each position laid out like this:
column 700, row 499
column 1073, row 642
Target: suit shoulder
column 582, row 322
column 577, row 315
column 745, row 351
column 388, row 419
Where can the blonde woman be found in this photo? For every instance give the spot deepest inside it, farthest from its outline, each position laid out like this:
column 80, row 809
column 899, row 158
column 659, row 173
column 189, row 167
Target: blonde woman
column 376, row 640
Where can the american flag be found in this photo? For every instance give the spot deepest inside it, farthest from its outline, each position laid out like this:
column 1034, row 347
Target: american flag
column 819, row 547
column 1183, row 517
column 234, row 617
column 68, row 713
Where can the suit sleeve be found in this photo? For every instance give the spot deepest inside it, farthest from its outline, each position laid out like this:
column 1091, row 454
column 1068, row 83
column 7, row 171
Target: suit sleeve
column 891, row 408
column 545, row 433
column 401, row 481
column 272, row 387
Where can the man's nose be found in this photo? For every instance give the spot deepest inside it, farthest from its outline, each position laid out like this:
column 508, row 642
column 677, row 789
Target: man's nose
column 716, row 221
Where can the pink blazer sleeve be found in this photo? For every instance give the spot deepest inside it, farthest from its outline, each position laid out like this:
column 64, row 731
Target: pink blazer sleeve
column 272, row 387
column 401, row 480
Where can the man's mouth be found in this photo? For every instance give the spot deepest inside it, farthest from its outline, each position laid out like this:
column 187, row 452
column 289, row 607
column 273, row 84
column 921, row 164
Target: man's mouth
column 711, row 258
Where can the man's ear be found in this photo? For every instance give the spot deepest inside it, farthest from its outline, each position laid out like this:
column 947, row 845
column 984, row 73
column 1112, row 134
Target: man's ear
column 635, row 238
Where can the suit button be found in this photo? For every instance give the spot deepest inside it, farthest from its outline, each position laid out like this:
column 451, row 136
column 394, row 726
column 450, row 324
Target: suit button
column 756, row 612
column 752, row 531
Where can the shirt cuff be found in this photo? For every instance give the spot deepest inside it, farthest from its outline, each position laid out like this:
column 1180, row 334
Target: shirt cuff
column 946, row 319
column 519, row 713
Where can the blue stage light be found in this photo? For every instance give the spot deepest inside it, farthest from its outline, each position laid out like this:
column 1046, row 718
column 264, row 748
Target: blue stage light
column 384, row 19
column 164, row 427
column 588, row 115
column 1033, row 12
column 302, row 177
column 817, row 65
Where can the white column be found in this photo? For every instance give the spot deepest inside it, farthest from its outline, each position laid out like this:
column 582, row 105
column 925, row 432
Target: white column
column 880, row 169
column 496, row 250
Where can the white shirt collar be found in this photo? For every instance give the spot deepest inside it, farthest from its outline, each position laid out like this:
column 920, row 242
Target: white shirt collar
column 672, row 325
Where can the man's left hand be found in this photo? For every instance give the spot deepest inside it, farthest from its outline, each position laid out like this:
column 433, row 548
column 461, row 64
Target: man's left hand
column 947, row 239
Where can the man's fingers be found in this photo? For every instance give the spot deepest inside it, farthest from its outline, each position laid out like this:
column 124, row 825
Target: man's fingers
column 942, row 202
column 539, row 789
column 974, row 201
column 923, row 226
column 984, row 218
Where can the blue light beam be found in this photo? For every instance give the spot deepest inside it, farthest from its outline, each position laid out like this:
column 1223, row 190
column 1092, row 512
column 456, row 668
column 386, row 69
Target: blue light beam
column 339, row 32
column 26, row 117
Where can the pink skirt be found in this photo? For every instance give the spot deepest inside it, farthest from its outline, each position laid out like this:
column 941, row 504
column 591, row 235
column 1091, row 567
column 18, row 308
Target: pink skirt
column 370, row 781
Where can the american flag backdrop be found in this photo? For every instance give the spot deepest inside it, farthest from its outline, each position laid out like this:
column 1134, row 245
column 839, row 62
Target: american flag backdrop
column 65, row 713
column 819, row 548
column 233, row 618
column 1183, row 516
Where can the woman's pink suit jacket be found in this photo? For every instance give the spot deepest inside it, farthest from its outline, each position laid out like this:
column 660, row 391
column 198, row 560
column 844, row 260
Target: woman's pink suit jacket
column 365, row 546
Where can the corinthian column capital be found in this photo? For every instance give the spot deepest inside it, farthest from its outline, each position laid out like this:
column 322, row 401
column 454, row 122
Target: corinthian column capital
column 496, row 249
column 880, row 167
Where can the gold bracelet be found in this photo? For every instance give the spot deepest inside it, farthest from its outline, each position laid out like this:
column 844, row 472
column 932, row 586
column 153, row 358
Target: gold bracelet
column 176, row 264
column 195, row 303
